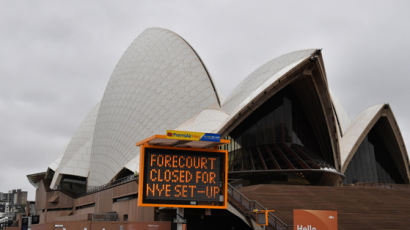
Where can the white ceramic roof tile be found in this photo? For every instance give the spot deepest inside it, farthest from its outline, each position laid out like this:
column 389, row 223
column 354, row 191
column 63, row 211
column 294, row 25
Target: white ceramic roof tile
column 134, row 164
column 78, row 151
column 53, row 166
column 159, row 83
column 262, row 78
column 342, row 116
column 356, row 129
column 208, row 121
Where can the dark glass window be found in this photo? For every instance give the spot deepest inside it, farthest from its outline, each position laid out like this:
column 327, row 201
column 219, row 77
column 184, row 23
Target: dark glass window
column 276, row 136
column 373, row 161
column 73, row 185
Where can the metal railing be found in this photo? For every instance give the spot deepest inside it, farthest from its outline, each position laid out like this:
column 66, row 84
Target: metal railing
column 110, row 216
column 120, row 181
column 246, row 206
column 95, row 189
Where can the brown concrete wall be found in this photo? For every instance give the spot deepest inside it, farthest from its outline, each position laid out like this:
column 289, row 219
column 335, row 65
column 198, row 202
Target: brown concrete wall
column 125, row 189
column 12, row 228
column 158, row 225
column 41, row 197
column 85, row 211
column 128, row 207
column 105, row 225
column 134, row 212
column 131, row 226
column 42, row 217
column 82, row 217
column 358, row 207
column 80, row 225
column 145, row 213
column 103, row 202
column 84, row 200
column 69, row 225
column 42, row 226
column 52, row 215
column 63, row 201
column 74, row 225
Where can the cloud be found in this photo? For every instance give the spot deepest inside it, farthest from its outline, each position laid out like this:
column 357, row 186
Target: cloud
column 57, row 58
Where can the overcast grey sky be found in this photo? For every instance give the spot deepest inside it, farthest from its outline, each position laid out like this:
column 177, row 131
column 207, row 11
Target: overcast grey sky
column 57, row 56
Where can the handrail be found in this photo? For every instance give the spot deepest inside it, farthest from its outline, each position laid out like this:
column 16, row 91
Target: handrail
column 120, row 181
column 247, row 205
column 95, row 189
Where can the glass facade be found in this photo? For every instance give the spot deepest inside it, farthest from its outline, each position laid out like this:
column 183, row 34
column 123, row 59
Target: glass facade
column 373, row 161
column 73, row 185
column 278, row 137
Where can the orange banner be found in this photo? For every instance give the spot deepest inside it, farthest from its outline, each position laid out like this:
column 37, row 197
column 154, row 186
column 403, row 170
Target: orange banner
column 314, row 219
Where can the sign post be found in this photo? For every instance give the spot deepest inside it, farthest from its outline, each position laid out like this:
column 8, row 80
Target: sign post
column 179, row 220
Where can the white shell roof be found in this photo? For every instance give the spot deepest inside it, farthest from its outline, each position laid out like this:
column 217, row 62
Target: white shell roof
column 212, row 120
column 76, row 158
column 208, row 121
column 342, row 116
column 159, row 83
column 53, row 166
column 262, row 78
column 134, row 164
column 356, row 131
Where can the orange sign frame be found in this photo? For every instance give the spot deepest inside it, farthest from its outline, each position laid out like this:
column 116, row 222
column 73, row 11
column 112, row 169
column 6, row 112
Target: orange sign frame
column 141, row 178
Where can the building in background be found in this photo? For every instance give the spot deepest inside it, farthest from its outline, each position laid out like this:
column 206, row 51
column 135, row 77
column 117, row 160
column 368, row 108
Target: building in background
column 12, row 205
column 286, row 129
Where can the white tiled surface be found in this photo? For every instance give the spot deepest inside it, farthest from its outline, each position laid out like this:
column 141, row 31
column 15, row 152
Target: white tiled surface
column 53, row 166
column 208, row 121
column 356, row 129
column 262, row 78
column 360, row 128
column 342, row 115
column 134, row 164
column 76, row 157
column 159, row 83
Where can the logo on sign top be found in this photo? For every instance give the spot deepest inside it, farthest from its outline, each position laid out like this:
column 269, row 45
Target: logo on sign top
column 193, row 136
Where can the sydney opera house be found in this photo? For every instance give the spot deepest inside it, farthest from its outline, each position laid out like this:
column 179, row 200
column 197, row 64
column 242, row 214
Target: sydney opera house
column 292, row 145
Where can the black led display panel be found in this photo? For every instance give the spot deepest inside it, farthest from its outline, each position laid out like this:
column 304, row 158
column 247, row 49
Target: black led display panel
column 185, row 177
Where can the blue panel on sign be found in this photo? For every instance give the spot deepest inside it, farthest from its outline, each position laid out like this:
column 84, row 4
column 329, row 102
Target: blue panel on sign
column 211, row 137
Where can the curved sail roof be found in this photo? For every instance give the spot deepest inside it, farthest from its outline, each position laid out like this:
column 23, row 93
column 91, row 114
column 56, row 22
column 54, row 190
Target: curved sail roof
column 76, row 157
column 359, row 129
column 208, row 120
column 262, row 78
column 273, row 76
column 159, row 83
column 134, row 164
column 54, row 165
column 341, row 115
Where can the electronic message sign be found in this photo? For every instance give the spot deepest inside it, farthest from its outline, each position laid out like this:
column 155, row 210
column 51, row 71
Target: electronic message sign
column 182, row 177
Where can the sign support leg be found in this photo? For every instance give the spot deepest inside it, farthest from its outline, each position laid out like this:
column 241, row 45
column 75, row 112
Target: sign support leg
column 180, row 219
